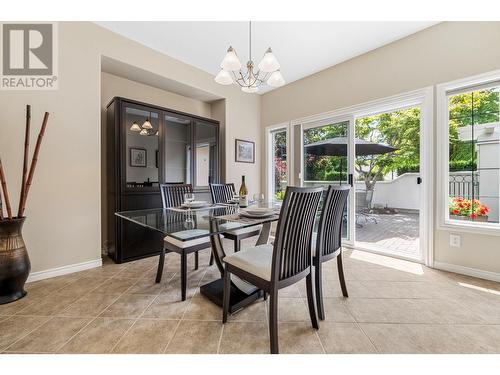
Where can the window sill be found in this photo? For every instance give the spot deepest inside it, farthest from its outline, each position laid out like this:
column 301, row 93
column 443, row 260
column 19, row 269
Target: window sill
column 474, row 228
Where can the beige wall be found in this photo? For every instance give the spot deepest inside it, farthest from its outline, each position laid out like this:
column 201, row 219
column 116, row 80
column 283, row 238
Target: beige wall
column 112, row 85
column 442, row 53
column 64, row 220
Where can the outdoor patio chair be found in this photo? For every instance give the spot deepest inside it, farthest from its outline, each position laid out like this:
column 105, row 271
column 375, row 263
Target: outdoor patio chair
column 364, row 207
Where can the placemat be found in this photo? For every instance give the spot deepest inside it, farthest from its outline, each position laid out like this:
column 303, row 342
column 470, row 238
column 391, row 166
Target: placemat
column 182, row 209
column 246, row 220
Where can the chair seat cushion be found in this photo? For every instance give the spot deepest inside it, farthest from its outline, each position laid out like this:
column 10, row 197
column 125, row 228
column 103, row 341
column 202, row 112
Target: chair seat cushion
column 243, row 285
column 238, row 231
column 187, row 234
column 255, row 260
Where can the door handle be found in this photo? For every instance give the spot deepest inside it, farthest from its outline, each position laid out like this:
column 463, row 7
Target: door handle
column 350, row 182
column 419, row 180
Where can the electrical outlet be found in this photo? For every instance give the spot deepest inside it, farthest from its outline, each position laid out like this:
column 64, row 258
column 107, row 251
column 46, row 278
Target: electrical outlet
column 455, row 240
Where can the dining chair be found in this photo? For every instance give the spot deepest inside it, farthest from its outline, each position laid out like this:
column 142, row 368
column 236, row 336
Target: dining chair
column 172, row 195
column 328, row 243
column 223, row 193
column 289, row 260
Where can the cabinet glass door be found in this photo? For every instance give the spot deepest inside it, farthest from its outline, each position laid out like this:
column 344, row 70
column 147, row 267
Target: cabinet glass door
column 178, row 153
column 141, row 147
column 206, row 154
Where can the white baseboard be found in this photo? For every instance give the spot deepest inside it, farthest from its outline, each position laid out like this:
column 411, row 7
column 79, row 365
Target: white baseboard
column 64, row 270
column 487, row 275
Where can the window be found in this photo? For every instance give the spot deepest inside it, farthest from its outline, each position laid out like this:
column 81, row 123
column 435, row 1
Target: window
column 278, row 163
column 323, row 166
column 472, row 164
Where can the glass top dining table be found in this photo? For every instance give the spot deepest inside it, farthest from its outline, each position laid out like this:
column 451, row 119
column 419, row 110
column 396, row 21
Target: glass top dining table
column 212, row 222
column 190, row 224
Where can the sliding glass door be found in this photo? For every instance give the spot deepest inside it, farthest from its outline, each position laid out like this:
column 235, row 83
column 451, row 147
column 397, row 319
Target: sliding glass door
column 387, row 182
column 327, row 159
column 378, row 155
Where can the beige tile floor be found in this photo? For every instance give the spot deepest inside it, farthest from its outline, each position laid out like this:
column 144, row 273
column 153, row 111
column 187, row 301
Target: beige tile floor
column 394, row 307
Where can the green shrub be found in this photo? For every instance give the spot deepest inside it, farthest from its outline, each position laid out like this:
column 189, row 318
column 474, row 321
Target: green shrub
column 455, row 166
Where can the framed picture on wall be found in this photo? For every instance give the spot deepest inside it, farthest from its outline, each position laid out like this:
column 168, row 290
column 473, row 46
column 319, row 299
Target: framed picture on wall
column 138, row 157
column 244, row 151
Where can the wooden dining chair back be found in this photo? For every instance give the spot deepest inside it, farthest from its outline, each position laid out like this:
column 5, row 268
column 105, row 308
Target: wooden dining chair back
column 287, row 261
column 329, row 239
column 292, row 246
column 172, row 195
column 222, row 193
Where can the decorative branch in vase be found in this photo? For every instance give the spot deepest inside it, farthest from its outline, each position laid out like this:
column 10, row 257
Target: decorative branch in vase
column 14, row 260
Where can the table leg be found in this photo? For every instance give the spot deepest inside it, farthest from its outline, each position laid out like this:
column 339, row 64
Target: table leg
column 214, row 290
column 264, row 234
column 218, row 252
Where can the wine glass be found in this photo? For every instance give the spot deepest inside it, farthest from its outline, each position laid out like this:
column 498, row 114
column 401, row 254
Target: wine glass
column 189, row 222
column 188, row 199
column 258, row 197
column 235, row 198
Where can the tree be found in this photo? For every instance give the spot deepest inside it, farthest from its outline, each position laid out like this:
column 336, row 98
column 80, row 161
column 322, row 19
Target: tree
column 399, row 129
column 477, row 107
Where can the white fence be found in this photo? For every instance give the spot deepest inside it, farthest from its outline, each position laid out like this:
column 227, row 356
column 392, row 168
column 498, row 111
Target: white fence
column 403, row 192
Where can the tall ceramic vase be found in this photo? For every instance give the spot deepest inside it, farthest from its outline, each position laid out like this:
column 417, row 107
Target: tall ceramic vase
column 14, row 261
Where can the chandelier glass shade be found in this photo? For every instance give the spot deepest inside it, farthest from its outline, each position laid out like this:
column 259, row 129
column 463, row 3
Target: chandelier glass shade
column 135, row 127
column 268, row 70
column 147, row 125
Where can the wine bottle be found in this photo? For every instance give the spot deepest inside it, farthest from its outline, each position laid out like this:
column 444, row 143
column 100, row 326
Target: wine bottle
column 243, row 193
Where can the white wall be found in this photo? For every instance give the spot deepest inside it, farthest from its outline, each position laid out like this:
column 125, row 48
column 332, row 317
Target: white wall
column 64, row 208
column 402, row 192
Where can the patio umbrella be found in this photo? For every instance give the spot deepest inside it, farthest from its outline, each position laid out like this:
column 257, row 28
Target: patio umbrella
column 338, row 147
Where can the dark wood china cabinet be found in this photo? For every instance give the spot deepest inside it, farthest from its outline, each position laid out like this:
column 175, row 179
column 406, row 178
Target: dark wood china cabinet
column 147, row 145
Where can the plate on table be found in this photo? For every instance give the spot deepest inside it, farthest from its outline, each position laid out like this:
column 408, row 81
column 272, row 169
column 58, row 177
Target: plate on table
column 194, row 204
column 257, row 213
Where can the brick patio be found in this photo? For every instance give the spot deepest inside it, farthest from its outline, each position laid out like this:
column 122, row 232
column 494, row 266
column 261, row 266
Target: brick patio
column 396, row 233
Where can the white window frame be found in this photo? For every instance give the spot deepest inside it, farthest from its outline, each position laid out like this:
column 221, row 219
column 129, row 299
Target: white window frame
column 270, row 157
column 442, row 215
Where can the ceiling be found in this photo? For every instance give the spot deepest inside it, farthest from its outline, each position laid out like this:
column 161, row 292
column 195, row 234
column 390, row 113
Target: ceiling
column 302, row 48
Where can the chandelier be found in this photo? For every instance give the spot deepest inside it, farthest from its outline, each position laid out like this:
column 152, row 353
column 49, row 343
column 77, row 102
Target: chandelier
column 250, row 80
column 146, row 129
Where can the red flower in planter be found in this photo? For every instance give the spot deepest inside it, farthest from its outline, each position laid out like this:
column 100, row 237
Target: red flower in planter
column 471, row 208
